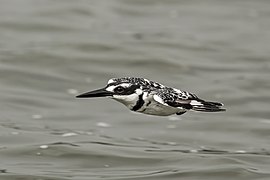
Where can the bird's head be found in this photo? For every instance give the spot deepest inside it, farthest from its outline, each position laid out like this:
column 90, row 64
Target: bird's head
column 122, row 90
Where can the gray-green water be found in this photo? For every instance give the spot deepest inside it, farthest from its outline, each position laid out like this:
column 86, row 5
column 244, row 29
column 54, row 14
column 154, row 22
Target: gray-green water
column 51, row 51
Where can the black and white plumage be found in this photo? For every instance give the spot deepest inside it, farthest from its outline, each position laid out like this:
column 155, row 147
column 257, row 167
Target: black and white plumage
column 149, row 97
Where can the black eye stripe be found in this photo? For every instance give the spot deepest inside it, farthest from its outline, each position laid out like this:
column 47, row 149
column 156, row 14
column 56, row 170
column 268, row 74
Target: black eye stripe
column 132, row 88
column 126, row 90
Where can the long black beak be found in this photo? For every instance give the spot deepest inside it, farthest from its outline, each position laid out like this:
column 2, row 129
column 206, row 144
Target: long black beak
column 96, row 93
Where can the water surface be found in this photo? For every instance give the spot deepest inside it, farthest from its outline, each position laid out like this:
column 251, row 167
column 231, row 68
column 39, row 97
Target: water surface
column 50, row 51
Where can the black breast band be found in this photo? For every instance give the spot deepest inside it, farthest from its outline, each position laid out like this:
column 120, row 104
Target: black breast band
column 139, row 103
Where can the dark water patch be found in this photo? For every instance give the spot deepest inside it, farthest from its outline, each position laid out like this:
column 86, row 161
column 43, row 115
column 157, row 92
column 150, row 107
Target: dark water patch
column 34, row 27
column 217, row 152
column 18, row 176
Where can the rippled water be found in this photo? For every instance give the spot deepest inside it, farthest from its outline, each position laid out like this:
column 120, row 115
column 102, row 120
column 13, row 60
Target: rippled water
column 50, row 51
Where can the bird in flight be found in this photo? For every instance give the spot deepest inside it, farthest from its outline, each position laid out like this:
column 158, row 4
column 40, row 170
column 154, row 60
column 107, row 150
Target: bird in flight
column 149, row 97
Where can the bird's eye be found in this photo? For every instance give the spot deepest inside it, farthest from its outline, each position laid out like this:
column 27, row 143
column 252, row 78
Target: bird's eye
column 119, row 89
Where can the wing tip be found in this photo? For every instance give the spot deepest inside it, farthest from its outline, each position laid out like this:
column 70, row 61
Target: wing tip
column 207, row 106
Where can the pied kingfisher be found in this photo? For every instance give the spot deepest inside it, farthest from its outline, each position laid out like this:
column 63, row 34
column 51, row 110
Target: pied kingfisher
column 149, row 97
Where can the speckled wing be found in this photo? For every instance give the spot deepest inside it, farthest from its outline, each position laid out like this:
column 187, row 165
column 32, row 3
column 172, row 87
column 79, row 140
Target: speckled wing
column 174, row 98
column 185, row 100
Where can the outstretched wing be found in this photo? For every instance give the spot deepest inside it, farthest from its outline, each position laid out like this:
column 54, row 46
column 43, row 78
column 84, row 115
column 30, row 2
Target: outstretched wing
column 174, row 98
column 185, row 100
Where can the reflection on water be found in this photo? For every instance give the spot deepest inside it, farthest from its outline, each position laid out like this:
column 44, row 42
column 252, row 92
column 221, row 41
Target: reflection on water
column 50, row 51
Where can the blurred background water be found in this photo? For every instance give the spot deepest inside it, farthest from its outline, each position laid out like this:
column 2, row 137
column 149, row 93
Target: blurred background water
column 50, row 51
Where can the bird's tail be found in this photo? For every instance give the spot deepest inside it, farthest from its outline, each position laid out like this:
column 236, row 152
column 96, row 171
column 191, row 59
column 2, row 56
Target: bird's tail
column 206, row 106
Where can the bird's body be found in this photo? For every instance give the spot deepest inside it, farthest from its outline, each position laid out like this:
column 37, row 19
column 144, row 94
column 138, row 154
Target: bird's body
column 149, row 97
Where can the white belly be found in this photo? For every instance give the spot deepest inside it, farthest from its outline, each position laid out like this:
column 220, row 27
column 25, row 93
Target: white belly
column 155, row 108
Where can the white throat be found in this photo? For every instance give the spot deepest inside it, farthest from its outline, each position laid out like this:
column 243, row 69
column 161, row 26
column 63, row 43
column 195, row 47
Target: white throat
column 128, row 100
